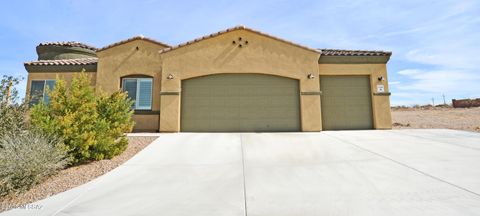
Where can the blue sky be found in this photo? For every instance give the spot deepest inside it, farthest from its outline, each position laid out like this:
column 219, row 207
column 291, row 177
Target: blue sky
column 435, row 44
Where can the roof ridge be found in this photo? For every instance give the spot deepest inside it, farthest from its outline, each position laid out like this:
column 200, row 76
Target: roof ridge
column 238, row 27
column 138, row 37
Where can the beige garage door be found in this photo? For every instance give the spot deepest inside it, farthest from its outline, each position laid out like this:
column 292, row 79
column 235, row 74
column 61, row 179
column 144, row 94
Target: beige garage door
column 240, row 103
column 346, row 102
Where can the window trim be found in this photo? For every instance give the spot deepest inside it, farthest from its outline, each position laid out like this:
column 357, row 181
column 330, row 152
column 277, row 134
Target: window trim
column 137, row 95
column 45, row 86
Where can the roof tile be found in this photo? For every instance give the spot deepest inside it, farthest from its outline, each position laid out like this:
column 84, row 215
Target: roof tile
column 69, row 44
column 342, row 52
column 80, row 61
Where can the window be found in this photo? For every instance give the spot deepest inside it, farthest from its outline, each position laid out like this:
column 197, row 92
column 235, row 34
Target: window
column 38, row 91
column 139, row 90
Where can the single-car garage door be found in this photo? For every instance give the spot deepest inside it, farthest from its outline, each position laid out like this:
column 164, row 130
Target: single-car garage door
column 240, row 103
column 346, row 102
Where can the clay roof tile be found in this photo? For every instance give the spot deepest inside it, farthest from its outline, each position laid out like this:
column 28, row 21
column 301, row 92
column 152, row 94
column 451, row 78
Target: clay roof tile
column 69, row 44
column 80, row 61
column 343, row 52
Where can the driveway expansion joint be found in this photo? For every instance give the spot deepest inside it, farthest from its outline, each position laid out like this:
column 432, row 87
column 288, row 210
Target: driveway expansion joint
column 243, row 174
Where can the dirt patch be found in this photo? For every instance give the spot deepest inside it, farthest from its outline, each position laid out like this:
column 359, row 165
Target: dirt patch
column 437, row 117
column 74, row 176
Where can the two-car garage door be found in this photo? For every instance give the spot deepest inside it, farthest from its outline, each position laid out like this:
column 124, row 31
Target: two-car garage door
column 240, row 103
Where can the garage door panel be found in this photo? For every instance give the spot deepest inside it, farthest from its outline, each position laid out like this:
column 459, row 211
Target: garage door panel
column 240, row 102
column 346, row 102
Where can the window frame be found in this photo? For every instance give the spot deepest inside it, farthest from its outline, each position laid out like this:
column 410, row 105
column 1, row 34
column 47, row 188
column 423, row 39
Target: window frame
column 137, row 94
column 44, row 93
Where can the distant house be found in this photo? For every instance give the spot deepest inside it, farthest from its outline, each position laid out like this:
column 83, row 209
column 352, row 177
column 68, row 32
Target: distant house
column 237, row 79
column 464, row 103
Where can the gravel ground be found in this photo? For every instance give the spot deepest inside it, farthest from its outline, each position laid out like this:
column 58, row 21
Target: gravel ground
column 74, row 176
column 451, row 118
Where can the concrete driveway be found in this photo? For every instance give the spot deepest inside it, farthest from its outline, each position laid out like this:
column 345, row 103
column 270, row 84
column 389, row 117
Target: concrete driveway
column 394, row 172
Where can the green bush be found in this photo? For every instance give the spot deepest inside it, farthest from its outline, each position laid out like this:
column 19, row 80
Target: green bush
column 28, row 158
column 92, row 126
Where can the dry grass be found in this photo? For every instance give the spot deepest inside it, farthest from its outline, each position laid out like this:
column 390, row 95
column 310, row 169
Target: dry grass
column 437, row 117
column 74, row 176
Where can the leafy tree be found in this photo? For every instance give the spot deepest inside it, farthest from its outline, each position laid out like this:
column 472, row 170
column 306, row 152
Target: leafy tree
column 8, row 90
column 92, row 126
column 12, row 113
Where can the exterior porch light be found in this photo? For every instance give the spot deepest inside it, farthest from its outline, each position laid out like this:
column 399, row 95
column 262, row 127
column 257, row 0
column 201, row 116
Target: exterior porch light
column 311, row 76
column 170, row 76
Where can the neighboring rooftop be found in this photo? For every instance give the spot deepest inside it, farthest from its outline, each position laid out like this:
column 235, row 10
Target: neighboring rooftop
column 79, row 61
column 68, row 44
column 343, row 52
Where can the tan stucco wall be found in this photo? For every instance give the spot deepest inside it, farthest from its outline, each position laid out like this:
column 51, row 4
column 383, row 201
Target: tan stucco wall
column 125, row 60
column 67, row 76
column 262, row 55
column 380, row 103
column 145, row 122
column 135, row 58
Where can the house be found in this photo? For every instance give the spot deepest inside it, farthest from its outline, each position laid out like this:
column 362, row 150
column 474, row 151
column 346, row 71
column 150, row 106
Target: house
column 238, row 80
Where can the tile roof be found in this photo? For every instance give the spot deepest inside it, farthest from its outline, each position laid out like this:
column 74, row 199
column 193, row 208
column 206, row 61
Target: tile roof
column 230, row 30
column 80, row 61
column 69, row 44
column 342, row 52
column 139, row 37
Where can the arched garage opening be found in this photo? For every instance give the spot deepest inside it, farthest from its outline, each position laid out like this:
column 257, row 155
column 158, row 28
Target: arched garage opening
column 240, row 103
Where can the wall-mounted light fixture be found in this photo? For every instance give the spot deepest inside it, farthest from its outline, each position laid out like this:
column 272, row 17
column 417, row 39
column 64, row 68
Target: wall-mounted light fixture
column 381, row 78
column 311, row 76
column 170, row 76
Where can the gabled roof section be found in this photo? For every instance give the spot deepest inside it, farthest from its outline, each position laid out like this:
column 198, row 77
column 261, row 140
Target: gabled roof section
column 139, row 37
column 234, row 29
column 343, row 52
column 68, row 44
column 80, row 61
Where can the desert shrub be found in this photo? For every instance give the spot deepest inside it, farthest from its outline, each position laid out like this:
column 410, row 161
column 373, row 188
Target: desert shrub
column 12, row 112
column 28, row 158
column 92, row 126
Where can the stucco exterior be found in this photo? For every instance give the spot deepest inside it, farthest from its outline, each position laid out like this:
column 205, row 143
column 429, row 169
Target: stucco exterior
column 136, row 58
column 238, row 50
column 261, row 55
column 380, row 102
